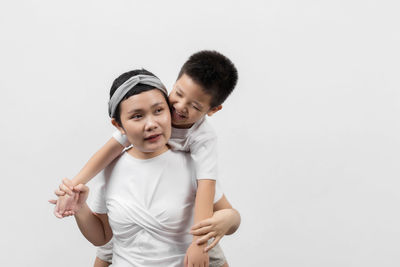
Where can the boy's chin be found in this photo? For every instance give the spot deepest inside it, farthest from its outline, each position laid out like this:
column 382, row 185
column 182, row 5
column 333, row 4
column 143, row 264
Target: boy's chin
column 181, row 125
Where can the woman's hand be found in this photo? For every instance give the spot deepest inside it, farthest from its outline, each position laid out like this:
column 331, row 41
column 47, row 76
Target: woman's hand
column 81, row 194
column 215, row 227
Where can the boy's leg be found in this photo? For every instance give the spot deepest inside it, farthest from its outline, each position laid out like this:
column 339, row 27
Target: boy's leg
column 100, row 263
column 217, row 257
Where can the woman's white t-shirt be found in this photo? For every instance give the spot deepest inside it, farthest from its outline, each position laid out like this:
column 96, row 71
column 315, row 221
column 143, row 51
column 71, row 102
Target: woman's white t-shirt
column 150, row 208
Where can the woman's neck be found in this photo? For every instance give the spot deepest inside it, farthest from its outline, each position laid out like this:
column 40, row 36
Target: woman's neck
column 136, row 153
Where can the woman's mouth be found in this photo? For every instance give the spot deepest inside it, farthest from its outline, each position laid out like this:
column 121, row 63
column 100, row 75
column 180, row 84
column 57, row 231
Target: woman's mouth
column 153, row 138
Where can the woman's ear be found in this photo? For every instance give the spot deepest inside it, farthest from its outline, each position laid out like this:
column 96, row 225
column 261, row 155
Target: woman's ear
column 213, row 110
column 117, row 125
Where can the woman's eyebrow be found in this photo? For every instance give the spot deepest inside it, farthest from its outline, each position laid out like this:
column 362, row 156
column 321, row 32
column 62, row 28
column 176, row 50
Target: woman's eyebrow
column 134, row 110
column 157, row 104
column 141, row 109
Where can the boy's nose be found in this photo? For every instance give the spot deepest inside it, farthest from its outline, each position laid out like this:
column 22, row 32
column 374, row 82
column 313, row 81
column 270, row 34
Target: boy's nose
column 180, row 107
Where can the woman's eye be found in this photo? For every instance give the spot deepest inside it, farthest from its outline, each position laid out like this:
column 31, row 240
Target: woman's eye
column 136, row 116
column 178, row 94
column 159, row 110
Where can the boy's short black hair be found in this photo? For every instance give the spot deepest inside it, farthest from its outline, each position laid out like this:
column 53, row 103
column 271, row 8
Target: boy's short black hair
column 214, row 72
column 135, row 90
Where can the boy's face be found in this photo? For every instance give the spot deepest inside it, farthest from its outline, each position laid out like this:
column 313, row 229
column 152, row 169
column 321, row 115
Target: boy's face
column 189, row 103
column 146, row 121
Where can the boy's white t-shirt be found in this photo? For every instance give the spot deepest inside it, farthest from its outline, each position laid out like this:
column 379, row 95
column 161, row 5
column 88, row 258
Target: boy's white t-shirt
column 200, row 140
column 150, row 208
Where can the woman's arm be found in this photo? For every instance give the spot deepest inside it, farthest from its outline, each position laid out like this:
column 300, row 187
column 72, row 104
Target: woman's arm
column 93, row 226
column 225, row 221
column 231, row 214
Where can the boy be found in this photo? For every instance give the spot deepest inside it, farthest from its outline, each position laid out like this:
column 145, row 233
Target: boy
column 204, row 82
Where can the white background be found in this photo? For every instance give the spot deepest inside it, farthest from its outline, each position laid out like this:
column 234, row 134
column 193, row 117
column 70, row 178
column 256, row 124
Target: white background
column 309, row 140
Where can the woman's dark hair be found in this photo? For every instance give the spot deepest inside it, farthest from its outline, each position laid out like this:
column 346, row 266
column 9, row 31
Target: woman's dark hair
column 135, row 90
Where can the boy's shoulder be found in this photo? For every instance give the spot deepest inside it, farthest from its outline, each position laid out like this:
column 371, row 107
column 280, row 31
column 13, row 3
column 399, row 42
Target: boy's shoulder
column 185, row 139
column 203, row 129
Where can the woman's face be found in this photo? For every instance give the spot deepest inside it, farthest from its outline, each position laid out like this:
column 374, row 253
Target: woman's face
column 146, row 121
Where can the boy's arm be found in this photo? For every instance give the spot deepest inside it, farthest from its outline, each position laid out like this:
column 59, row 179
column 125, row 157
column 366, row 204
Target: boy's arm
column 203, row 209
column 110, row 151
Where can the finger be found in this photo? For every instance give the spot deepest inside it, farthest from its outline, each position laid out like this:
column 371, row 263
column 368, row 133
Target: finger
column 202, row 231
column 185, row 261
column 81, row 188
column 57, row 208
column 66, row 189
column 70, row 213
column 205, row 238
column 57, row 214
column 63, row 202
column 213, row 244
column 68, row 183
column 53, row 201
column 59, row 193
column 203, row 223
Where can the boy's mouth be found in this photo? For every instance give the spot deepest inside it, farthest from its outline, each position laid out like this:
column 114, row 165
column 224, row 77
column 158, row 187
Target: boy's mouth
column 178, row 116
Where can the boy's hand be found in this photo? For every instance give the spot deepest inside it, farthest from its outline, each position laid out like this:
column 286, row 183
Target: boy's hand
column 215, row 227
column 195, row 256
column 65, row 206
column 65, row 203
column 80, row 194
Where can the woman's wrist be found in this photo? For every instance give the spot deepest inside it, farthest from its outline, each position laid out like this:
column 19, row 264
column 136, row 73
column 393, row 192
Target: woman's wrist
column 81, row 209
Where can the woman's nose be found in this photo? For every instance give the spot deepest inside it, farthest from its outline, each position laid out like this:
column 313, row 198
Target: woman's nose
column 151, row 123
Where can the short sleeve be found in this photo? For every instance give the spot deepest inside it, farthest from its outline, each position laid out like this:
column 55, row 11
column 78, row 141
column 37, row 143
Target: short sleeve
column 105, row 252
column 204, row 155
column 98, row 203
column 121, row 138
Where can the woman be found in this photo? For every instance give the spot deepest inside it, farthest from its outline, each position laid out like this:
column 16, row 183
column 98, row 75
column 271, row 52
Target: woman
column 148, row 193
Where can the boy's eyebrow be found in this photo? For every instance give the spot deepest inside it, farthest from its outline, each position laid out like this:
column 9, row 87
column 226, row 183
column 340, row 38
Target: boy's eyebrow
column 178, row 88
column 198, row 104
column 140, row 109
column 194, row 101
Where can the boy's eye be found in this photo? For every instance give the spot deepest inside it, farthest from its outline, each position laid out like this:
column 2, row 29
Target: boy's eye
column 196, row 108
column 178, row 94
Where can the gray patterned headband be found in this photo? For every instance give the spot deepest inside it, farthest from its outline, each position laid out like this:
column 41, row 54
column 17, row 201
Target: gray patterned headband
column 128, row 85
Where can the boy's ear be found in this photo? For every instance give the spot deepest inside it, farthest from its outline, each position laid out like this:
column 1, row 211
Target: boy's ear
column 117, row 125
column 213, row 110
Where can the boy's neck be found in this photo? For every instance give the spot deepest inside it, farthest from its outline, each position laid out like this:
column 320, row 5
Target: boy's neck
column 187, row 126
column 183, row 126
